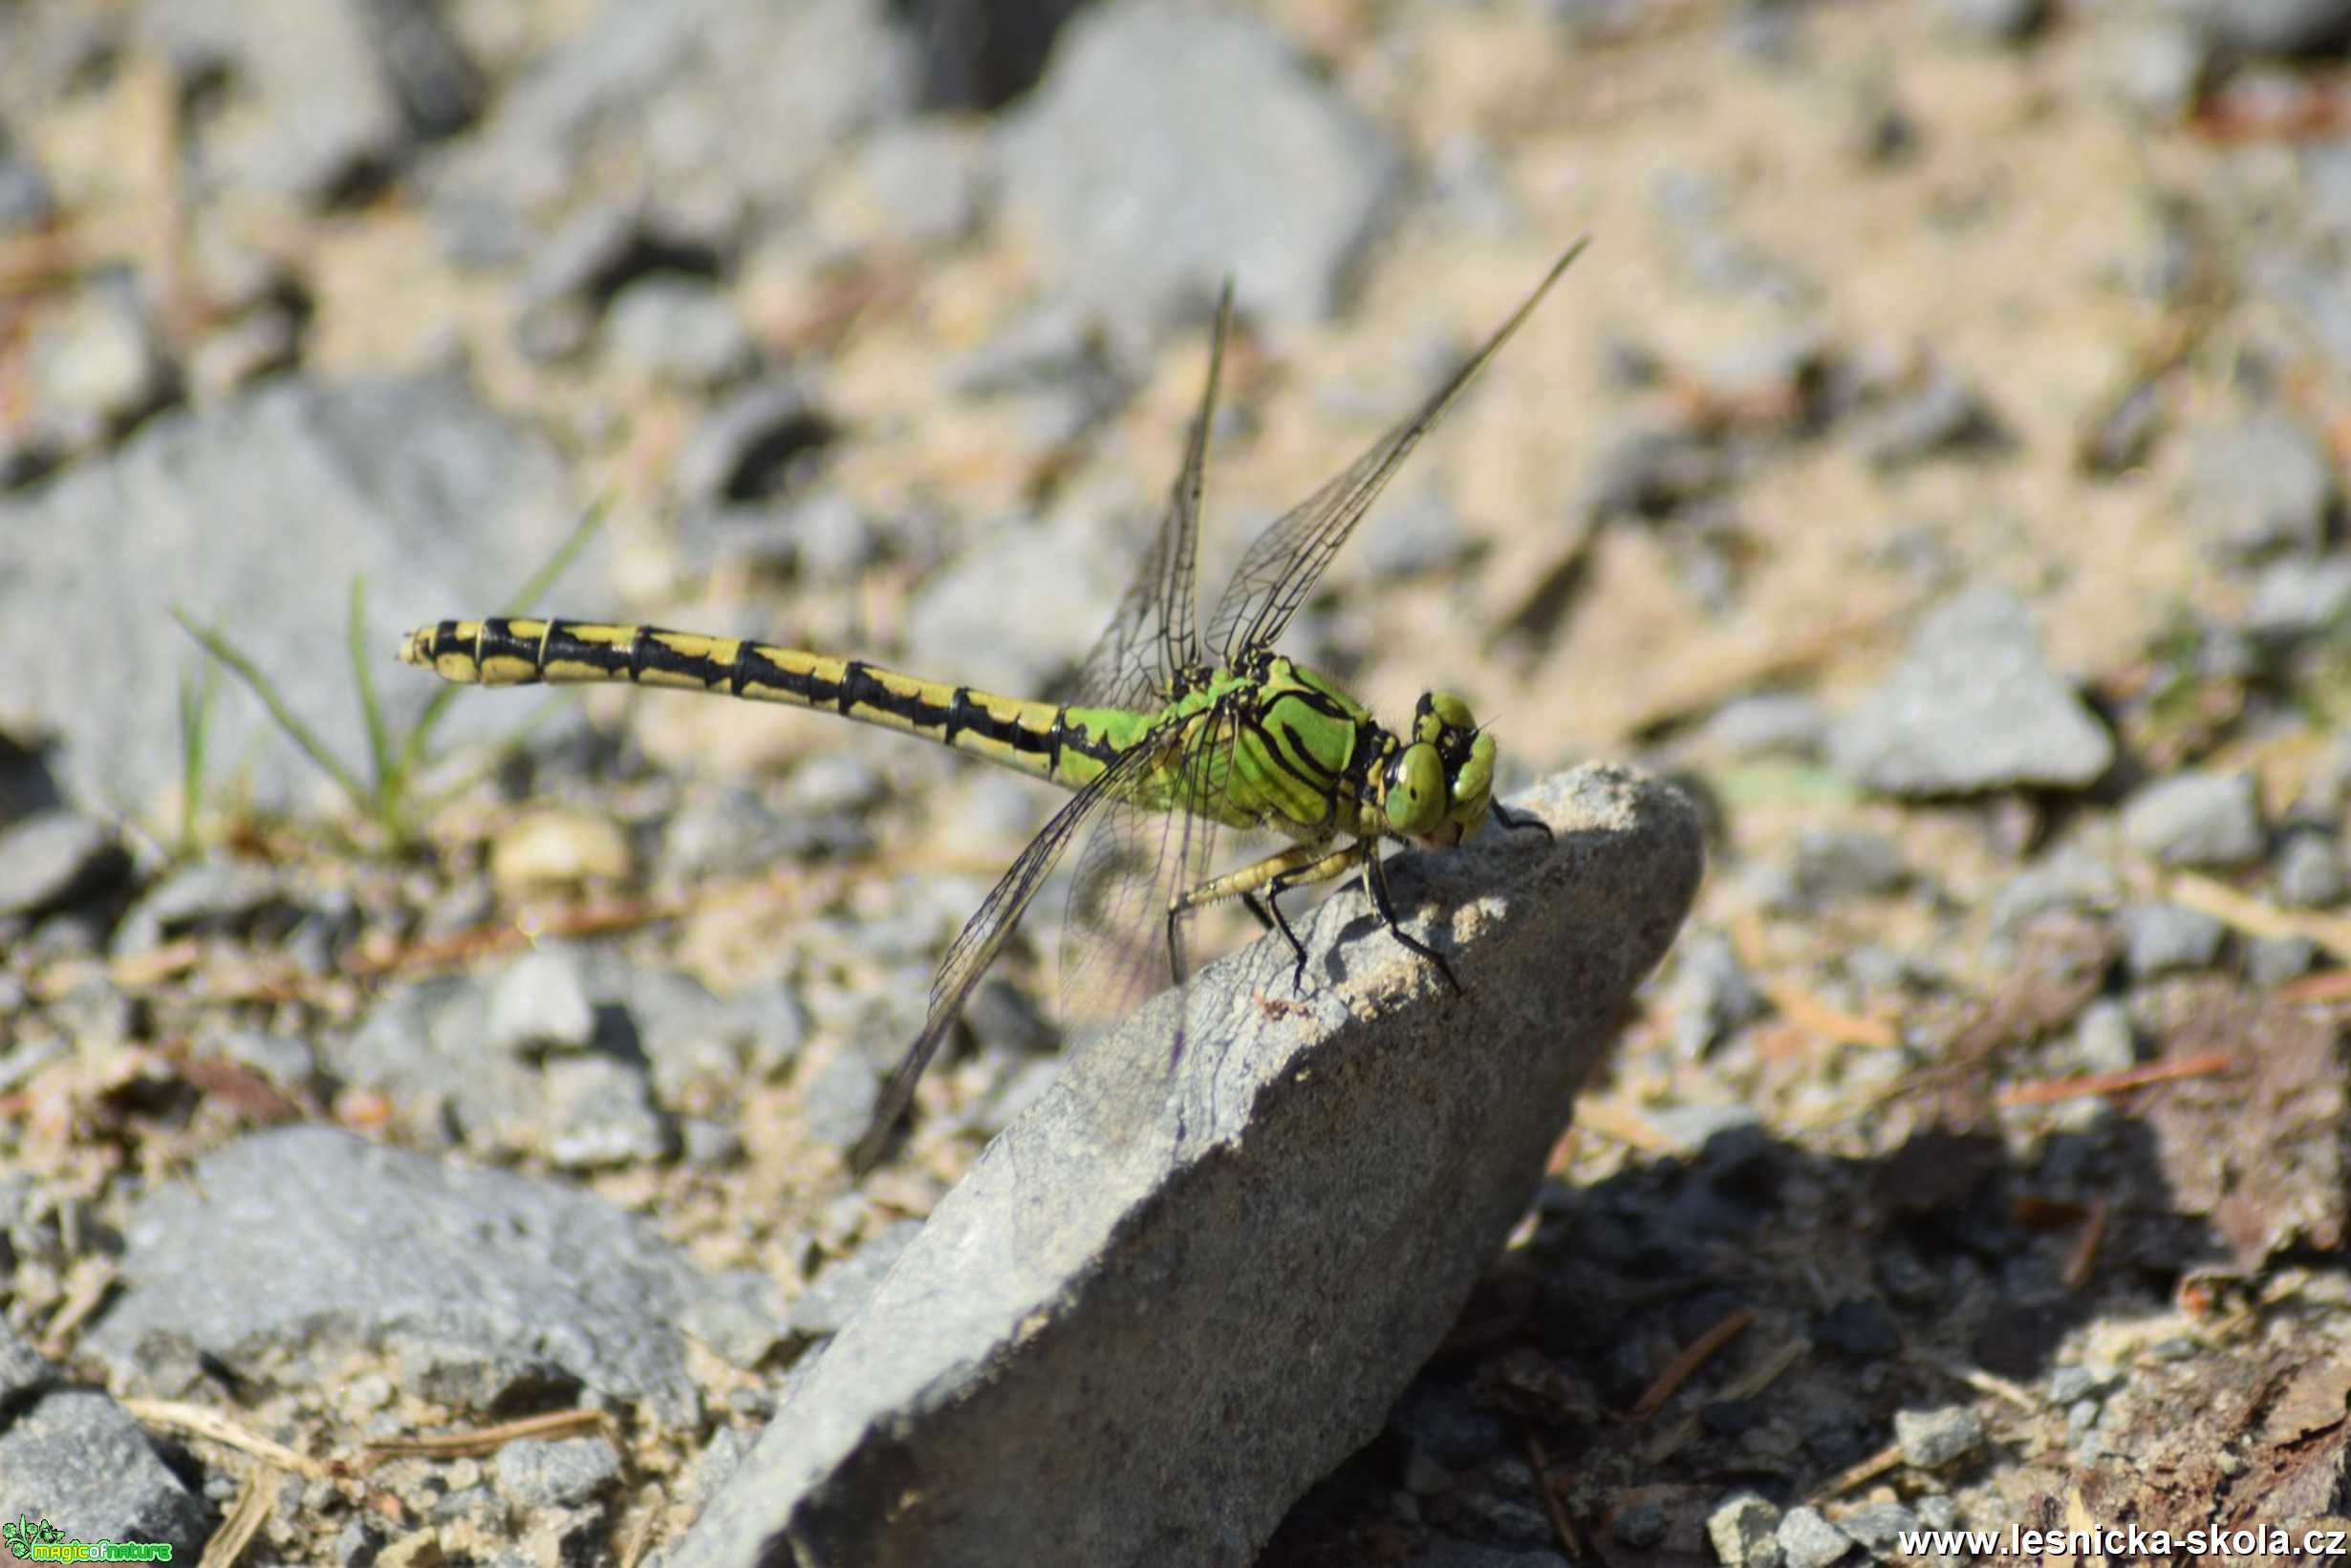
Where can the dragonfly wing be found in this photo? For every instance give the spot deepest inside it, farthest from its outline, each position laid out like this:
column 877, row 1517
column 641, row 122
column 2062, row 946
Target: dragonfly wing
column 984, row 936
column 1118, row 944
column 1155, row 637
column 1283, row 564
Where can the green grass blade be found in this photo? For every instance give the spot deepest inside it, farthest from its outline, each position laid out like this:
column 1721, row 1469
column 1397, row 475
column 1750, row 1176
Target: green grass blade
column 384, row 760
column 196, row 695
column 283, row 717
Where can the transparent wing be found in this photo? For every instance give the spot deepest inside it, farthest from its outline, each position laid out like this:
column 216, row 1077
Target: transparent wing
column 1283, row 564
column 984, row 936
column 1119, row 944
column 1154, row 640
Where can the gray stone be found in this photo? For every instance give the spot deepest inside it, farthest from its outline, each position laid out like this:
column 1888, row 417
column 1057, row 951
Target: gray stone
column 841, row 1099
column 1931, row 1439
column 2001, row 21
column 26, row 201
column 334, row 94
column 1834, row 863
column 1770, row 725
column 1709, row 994
column 1971, row 706
column 2160, row 939
column 930, row 181
column 598, row 1113
column 1745, row 1532
column 1941, row 416
column 100, row 368
column 719, row 106
column 1879, row 1526
column 2104, row 1039
column 364, row 1245
column 540, row 1002
column 52, row 858
column 2274, row 960
column 1010, row 594
column 2310, row 872
column 679, row 331
column 838, row 1294
column 214, row 895
column 1808, row 1540
column 1270, row 1239
column 2197, row 819
column 2262, row 485
column 2295, row 597
column 752, row 445
column 1171, row 146
column 2070, row 877
column 560, row 1472
column 2155, row 64
column 1652, row 472
column 443, row 505
column 71, row 1457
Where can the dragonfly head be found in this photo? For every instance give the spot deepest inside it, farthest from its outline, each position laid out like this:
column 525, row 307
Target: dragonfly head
column 1441, row 780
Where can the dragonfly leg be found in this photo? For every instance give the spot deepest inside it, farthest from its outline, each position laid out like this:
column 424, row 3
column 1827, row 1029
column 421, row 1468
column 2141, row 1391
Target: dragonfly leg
column 1375, row 882
column 1507, row 818
column 1264, row 882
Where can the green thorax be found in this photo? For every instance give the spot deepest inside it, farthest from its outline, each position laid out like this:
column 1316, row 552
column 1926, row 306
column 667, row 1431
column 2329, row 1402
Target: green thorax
column 1280, row 749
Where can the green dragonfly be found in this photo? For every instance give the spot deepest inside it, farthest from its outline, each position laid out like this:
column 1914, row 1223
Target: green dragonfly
column 1169, row 739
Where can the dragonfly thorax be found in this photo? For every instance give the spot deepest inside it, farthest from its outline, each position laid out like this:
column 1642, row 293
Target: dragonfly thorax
column 1439, row 786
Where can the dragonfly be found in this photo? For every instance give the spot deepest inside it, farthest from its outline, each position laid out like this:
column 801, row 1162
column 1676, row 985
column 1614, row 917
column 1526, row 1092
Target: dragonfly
column 1171, row 737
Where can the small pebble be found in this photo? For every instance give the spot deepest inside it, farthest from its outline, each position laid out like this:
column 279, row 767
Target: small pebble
column 1931, row 1439
column 2310, row 871
column 540, row 1002
column 2274, row 960
column 2262, row 485
column 1745, row 1532
column 1846, row 863
column 2161, row 938
column 555, row 846
column 2196, row 819
column 2104, row 1039
column 1808, row 1540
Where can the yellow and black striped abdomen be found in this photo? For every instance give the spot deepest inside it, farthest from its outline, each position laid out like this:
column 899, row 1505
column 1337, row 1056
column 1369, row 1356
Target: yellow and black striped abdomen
column 1032, row 738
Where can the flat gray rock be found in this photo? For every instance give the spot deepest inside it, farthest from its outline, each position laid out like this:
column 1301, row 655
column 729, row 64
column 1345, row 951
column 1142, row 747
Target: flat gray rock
column 73, row 1457
column 254, row 517
column 1972, row 706
column 367, row 1246
column 1160, row 1305
column 1173, row 143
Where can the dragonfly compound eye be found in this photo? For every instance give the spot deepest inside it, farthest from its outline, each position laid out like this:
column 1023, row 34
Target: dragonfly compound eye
column 1416, row 801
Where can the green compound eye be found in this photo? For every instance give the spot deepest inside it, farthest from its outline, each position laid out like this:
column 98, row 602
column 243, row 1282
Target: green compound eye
column 1417, row 790
column 1442, row 713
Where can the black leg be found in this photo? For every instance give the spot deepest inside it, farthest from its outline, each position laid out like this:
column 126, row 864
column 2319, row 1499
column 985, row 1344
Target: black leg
column 1274, row 890
column 1175, row 944
column 1508, row 818
column 1249, row 902
column 1375, row 879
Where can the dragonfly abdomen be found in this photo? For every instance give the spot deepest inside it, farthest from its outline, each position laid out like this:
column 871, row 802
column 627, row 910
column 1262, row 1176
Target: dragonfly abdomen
column 1038, row 739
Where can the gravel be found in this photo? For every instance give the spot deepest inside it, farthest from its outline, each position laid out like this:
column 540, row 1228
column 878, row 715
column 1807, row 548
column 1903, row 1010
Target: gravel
column 2196, row 819
column 1168, row 147
column 1971, row 706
